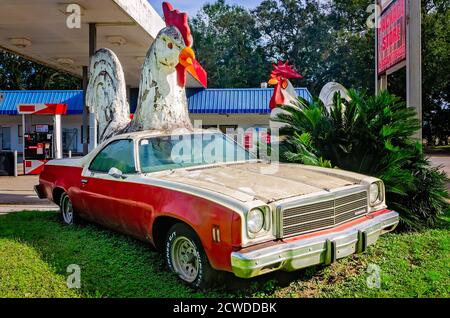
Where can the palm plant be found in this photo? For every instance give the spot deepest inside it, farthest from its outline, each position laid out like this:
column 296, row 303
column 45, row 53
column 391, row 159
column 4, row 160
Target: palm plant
column 373, row 136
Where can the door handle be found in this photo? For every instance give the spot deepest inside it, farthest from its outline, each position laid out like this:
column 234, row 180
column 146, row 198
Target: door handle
column 84, row 181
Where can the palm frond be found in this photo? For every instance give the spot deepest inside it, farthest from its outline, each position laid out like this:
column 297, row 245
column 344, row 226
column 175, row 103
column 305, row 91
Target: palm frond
column 371, row 135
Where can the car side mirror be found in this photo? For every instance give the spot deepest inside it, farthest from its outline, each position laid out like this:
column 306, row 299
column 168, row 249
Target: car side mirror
column 116, row 173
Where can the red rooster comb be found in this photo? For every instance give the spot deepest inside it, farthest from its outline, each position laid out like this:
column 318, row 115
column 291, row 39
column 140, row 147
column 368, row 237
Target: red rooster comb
column 284, row 70
column 179, row 20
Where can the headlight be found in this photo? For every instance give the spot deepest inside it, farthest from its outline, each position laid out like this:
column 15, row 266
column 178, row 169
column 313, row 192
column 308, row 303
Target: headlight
column 375, row 193
column 255, row 221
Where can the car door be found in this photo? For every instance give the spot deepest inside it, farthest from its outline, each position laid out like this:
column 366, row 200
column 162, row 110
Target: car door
column 104, row 195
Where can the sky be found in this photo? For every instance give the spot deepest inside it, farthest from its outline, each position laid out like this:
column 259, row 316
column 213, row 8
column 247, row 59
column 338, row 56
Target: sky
column 192, row 6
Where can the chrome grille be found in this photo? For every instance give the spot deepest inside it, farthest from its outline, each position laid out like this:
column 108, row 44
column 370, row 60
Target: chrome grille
column 322, row 215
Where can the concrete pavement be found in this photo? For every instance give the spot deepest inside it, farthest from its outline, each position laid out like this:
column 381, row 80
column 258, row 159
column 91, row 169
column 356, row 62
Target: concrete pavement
column 17, row 194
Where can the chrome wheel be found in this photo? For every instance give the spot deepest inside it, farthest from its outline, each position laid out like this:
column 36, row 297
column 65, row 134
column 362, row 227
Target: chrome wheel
column 185, row 259
column 67, row 210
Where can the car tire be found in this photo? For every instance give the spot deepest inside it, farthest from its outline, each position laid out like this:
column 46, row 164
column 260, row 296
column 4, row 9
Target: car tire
column 186, row 257
column 68, row 215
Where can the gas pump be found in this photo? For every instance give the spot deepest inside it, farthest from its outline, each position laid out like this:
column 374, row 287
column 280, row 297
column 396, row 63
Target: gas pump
column 41, row 143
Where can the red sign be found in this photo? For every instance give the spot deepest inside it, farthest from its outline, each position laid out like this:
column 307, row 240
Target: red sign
column 265, row 138
column 248, row 140
column 42, row 109
column 392, row 36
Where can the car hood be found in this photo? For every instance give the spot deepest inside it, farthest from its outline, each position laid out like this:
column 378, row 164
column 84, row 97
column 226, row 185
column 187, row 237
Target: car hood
column 262, row 181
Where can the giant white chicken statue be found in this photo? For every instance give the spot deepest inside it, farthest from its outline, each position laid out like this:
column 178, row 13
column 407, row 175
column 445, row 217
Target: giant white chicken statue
column 162, row 103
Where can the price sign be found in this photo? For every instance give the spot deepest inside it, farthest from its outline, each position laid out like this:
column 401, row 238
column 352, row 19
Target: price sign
column 392, row 36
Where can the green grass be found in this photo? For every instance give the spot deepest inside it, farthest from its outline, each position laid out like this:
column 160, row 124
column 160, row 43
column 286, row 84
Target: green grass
column 442, row 147
column 438, row 150
column 36, row 249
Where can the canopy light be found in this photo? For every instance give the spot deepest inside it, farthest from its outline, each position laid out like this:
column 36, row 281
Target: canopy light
column 116, row 40
column 140, row 59
column 65, row 62
column 20, row 43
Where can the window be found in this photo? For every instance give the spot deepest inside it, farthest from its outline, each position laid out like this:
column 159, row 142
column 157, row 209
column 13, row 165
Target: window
column 5, row 138
column 175, row 152
column 118, row 154
column 88, row 134
column 20, row 134
column 43, row 128
column 70, row 138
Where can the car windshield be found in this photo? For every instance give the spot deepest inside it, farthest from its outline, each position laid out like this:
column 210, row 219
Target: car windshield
column 185, row 151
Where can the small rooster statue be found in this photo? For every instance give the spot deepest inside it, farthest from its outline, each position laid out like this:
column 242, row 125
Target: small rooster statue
column 162, row 103
column 284, row 92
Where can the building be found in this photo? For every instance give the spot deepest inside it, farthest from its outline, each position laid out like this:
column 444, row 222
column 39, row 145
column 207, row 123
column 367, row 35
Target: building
column 65, row 35
column 219, row 108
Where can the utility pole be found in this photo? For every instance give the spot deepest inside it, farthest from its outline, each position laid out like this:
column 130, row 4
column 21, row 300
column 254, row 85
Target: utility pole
column 414, row 60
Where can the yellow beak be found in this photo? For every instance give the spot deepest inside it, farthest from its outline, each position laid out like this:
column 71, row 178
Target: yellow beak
column 273, row 81
column 190, row 64
column 187, row 57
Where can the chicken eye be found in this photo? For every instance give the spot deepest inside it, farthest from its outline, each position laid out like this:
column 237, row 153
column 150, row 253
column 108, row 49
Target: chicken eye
column 285, row 84
column 170, row 45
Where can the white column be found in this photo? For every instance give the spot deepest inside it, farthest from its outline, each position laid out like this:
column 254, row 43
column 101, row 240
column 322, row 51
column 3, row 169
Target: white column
column 93, row 138
column 383, row 83
column 16, row 173
column 24, row 129
column 57, row 142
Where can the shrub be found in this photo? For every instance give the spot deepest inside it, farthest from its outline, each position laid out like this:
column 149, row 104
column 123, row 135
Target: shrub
column 373, row 136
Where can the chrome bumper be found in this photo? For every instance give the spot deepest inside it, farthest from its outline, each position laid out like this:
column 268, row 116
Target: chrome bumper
column 322, row 249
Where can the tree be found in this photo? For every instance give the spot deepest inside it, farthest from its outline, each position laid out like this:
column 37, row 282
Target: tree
column 18, row 73
column 227, row 42
column 298, row 31
column 436, row 69
column 326, row 41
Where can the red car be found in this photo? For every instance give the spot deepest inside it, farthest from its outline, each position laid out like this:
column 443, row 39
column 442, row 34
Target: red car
column 208, row 204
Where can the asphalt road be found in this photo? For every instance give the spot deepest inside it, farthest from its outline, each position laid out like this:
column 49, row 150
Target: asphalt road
column 444, row 163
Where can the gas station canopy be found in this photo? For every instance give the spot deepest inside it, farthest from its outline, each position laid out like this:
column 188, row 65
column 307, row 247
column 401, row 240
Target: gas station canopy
column 38, row 31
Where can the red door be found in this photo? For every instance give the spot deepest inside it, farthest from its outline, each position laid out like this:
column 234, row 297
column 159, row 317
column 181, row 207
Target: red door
column 107, row 198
